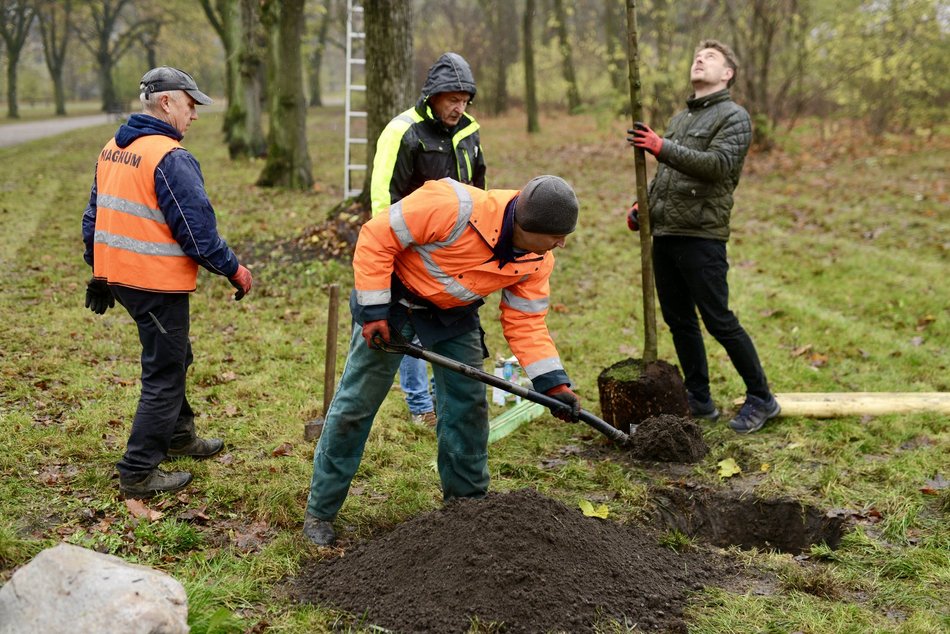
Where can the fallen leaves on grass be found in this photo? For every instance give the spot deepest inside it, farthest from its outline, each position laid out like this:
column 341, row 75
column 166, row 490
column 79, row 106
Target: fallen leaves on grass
column 284, row 449
column 590, row 510
column 138, row 510
column 728, row 468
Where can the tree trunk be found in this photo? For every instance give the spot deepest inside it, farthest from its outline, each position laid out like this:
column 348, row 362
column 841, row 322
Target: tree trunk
column 288, row 160
column 248, row 133
column 613, row 36
column 15, row 21
column 567, row 57
column 530, row 87
column 316, row 57
column 501, row 19
column 389, row 83
column 55, row 26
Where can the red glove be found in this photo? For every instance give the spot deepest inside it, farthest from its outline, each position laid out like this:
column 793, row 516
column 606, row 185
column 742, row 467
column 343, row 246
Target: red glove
column 645, row 138
column 241, row 280
column 373, row 328
column 633, row 217
column 566, row 396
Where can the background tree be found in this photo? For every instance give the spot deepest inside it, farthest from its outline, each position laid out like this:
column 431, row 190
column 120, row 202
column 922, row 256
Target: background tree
column 55, row 20
column 108, row 35
column 567, row 56
column 389, row 77
column 288, row 160
column 323, row 18
column 530, row 89
column 16, row 16
column 502, row 26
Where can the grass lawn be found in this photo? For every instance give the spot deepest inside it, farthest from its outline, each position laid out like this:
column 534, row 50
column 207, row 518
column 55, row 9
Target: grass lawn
column 839, row 272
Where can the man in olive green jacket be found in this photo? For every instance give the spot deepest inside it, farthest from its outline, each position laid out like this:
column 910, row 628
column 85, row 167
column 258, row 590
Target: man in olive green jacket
column 700, row 159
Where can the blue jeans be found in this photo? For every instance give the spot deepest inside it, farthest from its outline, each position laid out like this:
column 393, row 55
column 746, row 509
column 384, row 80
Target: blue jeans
column 461, row 431
column 414, row 381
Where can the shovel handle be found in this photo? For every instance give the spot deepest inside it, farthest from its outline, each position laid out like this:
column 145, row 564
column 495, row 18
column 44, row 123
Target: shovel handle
column 398, row 345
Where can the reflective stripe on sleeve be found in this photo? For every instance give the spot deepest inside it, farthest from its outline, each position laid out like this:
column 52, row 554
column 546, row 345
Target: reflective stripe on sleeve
column 373, row 298
column 543, row 367
column 524, row 305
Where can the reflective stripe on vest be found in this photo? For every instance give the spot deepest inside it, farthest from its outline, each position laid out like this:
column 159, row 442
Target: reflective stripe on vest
column 133, row 244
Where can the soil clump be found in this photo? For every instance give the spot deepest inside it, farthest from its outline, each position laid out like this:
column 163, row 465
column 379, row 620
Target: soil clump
column 668, row 438
column 520, row 561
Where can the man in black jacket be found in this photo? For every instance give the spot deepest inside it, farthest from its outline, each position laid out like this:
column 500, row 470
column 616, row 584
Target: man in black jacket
column 434, row 139
column 700, row 160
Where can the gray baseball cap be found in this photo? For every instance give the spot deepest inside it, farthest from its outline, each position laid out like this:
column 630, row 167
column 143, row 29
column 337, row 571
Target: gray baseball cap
column 167, row 78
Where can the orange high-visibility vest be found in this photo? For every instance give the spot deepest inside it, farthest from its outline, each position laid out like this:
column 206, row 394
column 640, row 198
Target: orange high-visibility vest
column 438, row 240
column 134, row 246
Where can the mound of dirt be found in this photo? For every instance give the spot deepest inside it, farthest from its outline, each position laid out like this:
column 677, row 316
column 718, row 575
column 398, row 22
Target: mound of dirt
column 667, row 438
column 519, row 559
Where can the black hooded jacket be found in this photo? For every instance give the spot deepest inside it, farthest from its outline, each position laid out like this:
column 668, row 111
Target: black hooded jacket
column 416, row 146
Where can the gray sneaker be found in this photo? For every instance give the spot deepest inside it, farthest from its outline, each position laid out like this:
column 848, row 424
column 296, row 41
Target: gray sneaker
column 155, row 481
column 319, row 531
column 753, row 414
column 197, row 448
column 702, row 409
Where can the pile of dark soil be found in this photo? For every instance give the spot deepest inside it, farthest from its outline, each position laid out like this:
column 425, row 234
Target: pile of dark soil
column 668, row 438
column 520, row 561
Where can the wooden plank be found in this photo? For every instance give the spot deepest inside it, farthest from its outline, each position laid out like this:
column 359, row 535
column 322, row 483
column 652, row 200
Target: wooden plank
column 832, row 404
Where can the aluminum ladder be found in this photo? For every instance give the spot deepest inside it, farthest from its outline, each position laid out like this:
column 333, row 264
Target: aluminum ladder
column 355, row 86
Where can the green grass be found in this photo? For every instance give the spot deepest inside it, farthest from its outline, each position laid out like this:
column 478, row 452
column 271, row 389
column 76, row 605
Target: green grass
column 842, row 254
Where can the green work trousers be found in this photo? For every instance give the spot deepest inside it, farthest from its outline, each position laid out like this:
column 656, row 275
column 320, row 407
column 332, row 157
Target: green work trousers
column 461, row 409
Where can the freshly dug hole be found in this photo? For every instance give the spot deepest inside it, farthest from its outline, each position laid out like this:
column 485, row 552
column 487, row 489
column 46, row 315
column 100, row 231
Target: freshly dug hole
column 520, row 559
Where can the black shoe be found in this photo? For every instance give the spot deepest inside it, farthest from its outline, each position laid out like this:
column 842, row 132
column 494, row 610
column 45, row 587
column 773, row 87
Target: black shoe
column 702, row 409
column 319, row 531
column 753, row 414
column 197, row 448
column 155, row 481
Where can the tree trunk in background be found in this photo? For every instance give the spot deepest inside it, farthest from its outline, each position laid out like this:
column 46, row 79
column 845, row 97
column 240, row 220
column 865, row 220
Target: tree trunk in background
column 55, row 20
column 501, row 18
column 567, row 57
column 613, row 36
column 16, row 16
column 108, row 45
column 668, row 86
column 248, row 134
column 223, row 16
column 316, row 57
column 288, row 159
column 389, row 79
column 530, row 87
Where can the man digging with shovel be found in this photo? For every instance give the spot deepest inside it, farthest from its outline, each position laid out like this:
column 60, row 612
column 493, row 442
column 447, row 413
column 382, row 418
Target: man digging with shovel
column 424, row 269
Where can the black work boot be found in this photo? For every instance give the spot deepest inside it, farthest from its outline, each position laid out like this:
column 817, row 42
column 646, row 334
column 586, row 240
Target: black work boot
column 155, row 481
column 197, row 448
column 706, row 410
column 319, row 531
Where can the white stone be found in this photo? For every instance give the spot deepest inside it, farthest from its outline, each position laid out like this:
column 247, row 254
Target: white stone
column 68, row 589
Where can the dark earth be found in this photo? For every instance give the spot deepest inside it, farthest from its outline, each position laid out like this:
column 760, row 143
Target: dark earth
column 668, row 438
column 632, row 391
column 515, row 562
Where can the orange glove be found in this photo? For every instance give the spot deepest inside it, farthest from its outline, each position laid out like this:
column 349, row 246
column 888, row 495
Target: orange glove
column 241, row 280
column 645, row 138
column 373, row 328
column 566, row 396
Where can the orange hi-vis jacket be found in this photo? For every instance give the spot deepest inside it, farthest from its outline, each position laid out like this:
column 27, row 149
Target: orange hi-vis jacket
column 133, row 245
column 438, row 240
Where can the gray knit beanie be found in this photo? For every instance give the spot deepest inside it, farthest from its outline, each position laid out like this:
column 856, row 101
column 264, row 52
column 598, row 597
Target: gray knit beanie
column 547, row 205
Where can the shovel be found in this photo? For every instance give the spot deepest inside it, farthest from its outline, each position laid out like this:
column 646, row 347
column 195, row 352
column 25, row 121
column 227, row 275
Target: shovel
column 397, row 344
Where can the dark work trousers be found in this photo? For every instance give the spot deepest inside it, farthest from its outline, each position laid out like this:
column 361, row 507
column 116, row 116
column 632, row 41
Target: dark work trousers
column 163, row 412
column 690, row 276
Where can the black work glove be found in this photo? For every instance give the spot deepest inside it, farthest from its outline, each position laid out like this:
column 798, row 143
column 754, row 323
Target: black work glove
column 566, row 396
column 99, row 297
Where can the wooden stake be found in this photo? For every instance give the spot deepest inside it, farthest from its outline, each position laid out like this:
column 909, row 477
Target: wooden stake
column 640, row 165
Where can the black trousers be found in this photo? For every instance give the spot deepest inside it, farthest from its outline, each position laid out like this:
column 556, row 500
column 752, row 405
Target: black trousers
column 163, row 415
column 691, row 275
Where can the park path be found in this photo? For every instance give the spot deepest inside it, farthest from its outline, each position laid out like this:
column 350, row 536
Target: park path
column 15, row 133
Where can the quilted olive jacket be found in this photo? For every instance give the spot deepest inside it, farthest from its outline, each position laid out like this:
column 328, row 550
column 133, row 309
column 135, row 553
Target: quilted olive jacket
column 702, row 155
